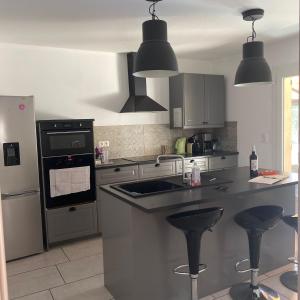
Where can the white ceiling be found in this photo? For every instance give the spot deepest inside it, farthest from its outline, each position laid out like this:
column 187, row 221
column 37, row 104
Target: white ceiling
column 197, row 28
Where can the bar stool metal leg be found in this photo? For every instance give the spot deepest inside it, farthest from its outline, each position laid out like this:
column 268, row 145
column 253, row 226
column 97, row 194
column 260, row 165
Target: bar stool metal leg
column 255, row 221
column 193, row 224
column 194, row 287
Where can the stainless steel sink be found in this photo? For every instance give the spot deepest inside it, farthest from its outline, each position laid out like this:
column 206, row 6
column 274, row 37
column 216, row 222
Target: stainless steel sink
column 144, row 188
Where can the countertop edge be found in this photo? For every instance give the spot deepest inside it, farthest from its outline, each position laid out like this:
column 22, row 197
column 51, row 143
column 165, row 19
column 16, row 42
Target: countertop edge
column 107, row 189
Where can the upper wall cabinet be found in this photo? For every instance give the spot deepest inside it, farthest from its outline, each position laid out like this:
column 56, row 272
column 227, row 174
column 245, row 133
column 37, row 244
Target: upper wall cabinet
column 197, row 101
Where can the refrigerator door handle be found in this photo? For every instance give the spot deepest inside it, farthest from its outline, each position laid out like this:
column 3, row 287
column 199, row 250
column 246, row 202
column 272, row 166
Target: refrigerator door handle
column 25, row 193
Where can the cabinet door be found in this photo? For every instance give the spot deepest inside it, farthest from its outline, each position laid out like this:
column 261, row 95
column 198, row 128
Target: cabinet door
column 223, row 162
column 71, row 222
column 188, row 165
column 194, row 115
column 115, row 175
column 152, row 171
column 214, row 100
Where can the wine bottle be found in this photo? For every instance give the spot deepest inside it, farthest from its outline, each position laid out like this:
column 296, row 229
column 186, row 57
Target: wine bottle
column 253, row 163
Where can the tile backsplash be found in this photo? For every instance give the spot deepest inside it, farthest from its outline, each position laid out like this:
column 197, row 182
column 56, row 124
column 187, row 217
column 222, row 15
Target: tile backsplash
column 139, row 140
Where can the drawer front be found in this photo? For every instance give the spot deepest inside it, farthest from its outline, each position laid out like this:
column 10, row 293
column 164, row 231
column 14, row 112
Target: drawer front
column 164, row 169
column 223, row 162
column 71, row 222
column 115, row 175
column 188, row 164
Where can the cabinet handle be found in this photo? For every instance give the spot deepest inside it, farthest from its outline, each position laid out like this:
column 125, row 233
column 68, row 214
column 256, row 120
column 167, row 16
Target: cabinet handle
column 71, row 209
column 204, row 122
column 192, row 160
column 223, row 157
column 117, row 170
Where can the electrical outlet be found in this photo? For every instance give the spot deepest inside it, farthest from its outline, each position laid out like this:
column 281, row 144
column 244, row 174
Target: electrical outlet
column 103, row 144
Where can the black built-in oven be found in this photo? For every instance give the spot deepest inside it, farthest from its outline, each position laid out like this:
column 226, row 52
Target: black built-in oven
column 66, row 137
column 67, row 162
column 65, row 144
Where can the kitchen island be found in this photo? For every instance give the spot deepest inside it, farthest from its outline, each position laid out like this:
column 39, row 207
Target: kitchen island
column 141, row 249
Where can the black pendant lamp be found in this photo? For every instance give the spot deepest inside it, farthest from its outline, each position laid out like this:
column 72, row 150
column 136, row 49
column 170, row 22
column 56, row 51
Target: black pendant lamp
column 253, row 69
column 155, row 57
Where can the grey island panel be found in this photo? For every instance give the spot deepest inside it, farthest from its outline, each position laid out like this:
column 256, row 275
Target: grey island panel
column 141, row 249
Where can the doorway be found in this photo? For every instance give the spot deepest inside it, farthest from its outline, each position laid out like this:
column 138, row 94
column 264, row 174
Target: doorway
column 291, row 124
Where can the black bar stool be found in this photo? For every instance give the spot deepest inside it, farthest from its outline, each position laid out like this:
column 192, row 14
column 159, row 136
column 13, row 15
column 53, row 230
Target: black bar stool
column 290, row 279
column 255, row 221
column 194, row 223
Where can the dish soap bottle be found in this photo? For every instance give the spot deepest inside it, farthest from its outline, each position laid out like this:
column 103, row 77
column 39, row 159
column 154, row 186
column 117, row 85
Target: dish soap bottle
column 253, row 163
column 196, row 176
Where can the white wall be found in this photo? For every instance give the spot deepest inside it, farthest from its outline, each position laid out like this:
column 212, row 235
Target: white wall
column 254, row 107
column 80, row 84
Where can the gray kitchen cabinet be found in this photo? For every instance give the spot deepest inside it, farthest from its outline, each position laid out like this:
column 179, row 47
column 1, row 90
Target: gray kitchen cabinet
column 197, row 101
column 151, row 170
column 117, row 174
column 188, row 164
column 113, row 175
column 71, row 222
column 222, row 162
column 214, row 87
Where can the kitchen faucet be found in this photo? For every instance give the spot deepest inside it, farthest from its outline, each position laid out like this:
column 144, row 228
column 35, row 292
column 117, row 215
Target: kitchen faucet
column 184, row 180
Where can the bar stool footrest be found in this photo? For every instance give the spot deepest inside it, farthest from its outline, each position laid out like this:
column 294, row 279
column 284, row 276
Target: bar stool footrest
column 241, row 262
column 178, row 270
column 293, row 260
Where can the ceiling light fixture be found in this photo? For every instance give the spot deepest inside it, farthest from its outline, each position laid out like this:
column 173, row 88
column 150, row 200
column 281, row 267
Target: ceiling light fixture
column 253, row 69
column 155, row 57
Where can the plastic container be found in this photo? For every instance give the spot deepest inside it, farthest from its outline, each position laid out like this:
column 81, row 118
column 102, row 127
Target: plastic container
column 196, row 175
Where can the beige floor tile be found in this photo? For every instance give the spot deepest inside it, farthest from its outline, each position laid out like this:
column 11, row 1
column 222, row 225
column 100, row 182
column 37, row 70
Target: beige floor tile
column 285, row 268
column 224, row 297
column 45, row 295
column 46, row 259
column 84, row 248
column 221, row 293
column 87, row 289
column 207, row 298
column 274, row 282
column 81, row 268
column 35, row 281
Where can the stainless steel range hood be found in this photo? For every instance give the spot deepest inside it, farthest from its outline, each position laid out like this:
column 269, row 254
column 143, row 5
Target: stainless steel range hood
column 138, row 100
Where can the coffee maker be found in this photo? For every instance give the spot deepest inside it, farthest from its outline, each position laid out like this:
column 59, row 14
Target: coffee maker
column 207, row 143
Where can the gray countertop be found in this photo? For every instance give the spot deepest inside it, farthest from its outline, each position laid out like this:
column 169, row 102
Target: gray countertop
column 115, row 163
column 239, row 185
column 129, row 161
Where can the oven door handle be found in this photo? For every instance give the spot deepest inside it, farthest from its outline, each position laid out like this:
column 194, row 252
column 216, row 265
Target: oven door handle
column 67, row 132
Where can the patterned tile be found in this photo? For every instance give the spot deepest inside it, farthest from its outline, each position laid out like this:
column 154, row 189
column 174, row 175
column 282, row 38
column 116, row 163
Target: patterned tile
column 138, row 140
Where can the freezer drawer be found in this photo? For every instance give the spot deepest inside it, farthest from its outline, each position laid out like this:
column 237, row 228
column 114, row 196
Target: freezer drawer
column 22, row 225
column 115, row 175
column 222, row 162
column 71, row 222
column 163, row 169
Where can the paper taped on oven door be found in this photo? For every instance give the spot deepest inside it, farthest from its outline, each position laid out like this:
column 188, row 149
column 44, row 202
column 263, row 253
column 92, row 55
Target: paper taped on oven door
column 69, row 181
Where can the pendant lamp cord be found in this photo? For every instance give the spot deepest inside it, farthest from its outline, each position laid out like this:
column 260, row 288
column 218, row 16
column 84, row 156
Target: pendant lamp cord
column 253, row 35
column 152, row 11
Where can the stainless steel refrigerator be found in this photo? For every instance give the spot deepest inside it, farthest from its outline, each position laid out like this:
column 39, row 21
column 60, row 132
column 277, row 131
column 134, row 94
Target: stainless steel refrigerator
column 19, row 181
